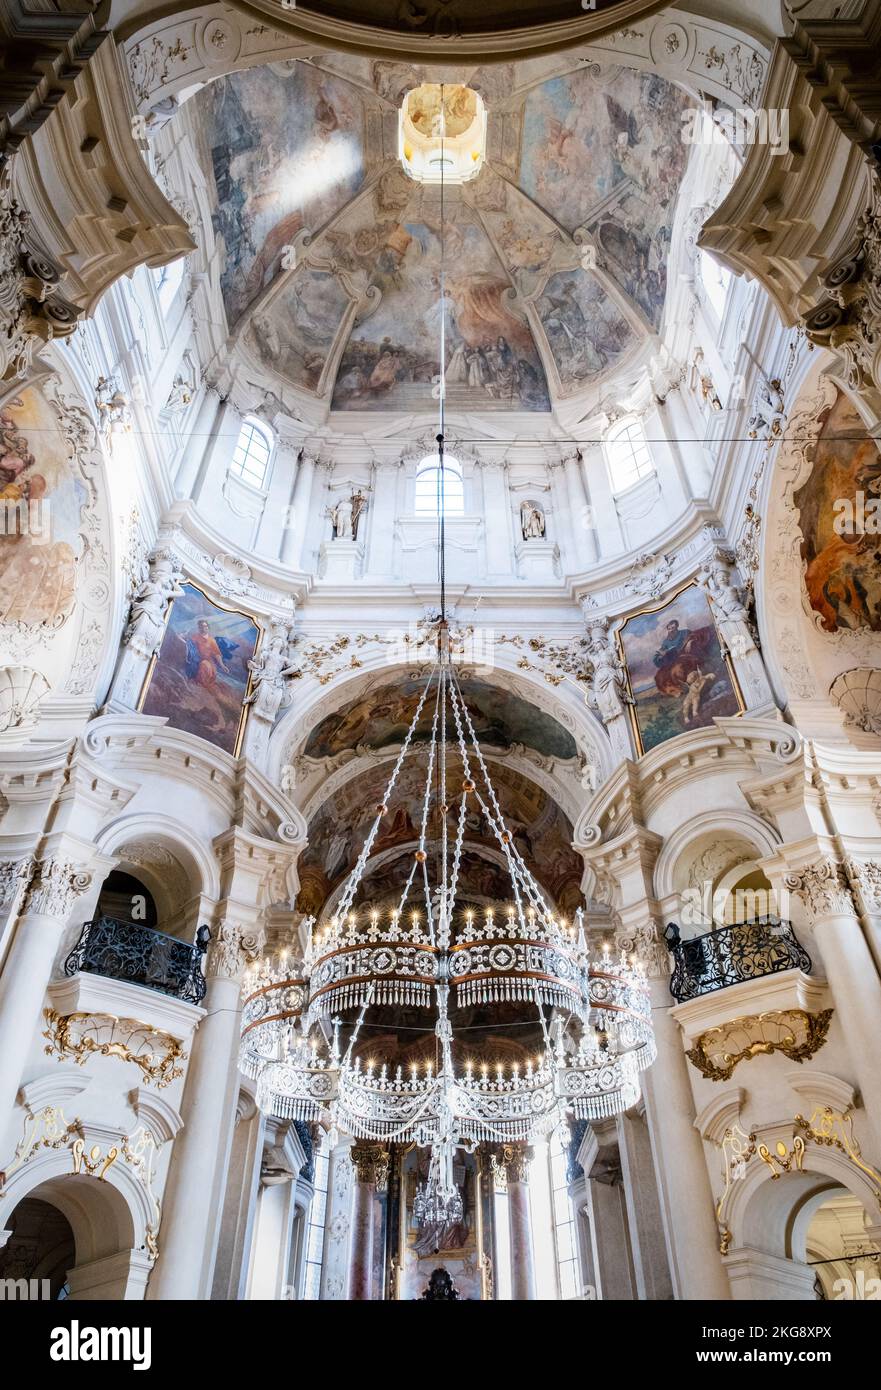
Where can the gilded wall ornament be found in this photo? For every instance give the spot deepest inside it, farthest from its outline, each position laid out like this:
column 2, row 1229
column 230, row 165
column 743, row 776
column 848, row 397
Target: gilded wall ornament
column 83, row 1035
column 794, row 1032
column 371, row 1164
column 738, row 1148
column 834, row 1129
column 783, row 1160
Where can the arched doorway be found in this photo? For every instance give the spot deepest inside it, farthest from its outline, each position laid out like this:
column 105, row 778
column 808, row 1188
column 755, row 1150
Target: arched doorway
column 40, row 1249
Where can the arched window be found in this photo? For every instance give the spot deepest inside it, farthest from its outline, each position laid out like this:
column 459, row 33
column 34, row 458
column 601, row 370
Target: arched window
column 429, row 491
column 168, row 279
column 627, row 455
column 716, row 281
column 250, row 460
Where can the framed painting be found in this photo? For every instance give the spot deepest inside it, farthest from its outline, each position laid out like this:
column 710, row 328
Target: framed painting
column 679, row 677
column 199, row 678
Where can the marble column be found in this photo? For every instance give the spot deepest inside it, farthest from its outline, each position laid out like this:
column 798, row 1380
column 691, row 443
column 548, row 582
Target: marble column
column 370, row 1162
column 198, row 1161
column 497, row 518
column 297, row 518
column 517, row 1158
column 198, row 441
column 219, row 448
column 47, row 903
column 581, row 516
column 338, row 1223
column 240, row 1201
column 611, row 1252
column 686, row 1197
column 381, row 519
column 850, row 970
column 651, row 1271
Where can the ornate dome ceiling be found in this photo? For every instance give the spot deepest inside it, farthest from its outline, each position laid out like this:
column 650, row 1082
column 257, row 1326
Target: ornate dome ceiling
column 330, row 255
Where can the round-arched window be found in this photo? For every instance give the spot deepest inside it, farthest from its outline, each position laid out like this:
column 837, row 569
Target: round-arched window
column 250, row 460
column 439, row 489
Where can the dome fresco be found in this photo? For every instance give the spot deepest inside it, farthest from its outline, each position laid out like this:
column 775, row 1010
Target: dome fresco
column 330, row 256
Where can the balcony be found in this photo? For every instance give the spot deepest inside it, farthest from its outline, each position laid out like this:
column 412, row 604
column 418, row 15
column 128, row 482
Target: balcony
column 732, row 956
column 141, row 956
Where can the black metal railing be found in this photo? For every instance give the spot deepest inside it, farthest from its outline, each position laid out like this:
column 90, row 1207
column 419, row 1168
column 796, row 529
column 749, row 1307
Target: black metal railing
column 141, row 956
column 730, row 955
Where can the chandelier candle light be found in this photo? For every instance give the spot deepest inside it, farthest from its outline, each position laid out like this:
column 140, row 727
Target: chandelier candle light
column 593, row 1014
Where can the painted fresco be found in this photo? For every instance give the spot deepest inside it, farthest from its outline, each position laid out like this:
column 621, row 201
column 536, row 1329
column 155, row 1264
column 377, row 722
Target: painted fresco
column 295, row 333
column 585, row 330
column 679, row 678
column 539, row 829
column 381, row 717
column 200, row 677
column 617, row 147
column 391, row 357
column 838, row 510
column 284, row 145
column 44, row 501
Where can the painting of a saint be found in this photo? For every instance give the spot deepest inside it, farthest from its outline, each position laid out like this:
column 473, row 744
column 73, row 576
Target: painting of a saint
column 679, row 677
column 38, row 560
column 837, row 506
column 200, row 677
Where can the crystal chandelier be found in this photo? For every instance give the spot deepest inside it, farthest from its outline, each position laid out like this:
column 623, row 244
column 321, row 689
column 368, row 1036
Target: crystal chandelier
column 433, row 950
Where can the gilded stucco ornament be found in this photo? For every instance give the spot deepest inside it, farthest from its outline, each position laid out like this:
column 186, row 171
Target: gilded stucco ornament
column 83, row 1035
column 794, row 1032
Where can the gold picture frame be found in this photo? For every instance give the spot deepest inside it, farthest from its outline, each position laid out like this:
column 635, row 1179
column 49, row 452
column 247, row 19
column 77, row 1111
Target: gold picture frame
column 667, row 602
column 246, row 617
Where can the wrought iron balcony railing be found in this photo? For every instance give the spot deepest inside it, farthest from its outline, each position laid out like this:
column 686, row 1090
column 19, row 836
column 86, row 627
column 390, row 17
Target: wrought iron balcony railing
column 730, row 955
column 141, row 956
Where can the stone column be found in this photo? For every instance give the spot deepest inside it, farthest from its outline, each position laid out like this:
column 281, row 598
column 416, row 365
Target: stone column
column 516, row 1159
column 240, row 1201
column 338, row 1223
column 297, row 518
column 371, row 1172
column 609, row 1238
column 47, row 903
column 198, row 1162
column 382, row 517
column 198, row 441
column 651, row 1271
column 497, row 518
column 864, row 876
column 850, row 970
column 686, row 1196
column 219, row 448
column 581, row 517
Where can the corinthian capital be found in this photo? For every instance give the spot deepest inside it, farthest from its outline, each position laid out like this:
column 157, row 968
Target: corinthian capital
column 646, row 943
column 55, row 887
column 514, row 1160
column 822, row 888
column 371, row 1164
column 232, row 946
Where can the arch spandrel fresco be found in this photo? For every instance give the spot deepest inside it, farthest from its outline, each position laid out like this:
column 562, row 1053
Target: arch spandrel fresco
column 38, row 560
column 380, row 717
column 540, row 830
column 837, row 506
